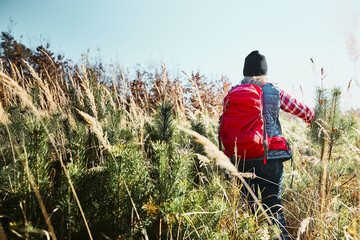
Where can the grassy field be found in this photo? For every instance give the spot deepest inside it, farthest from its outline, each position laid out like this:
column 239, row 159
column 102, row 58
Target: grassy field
column 85, row 160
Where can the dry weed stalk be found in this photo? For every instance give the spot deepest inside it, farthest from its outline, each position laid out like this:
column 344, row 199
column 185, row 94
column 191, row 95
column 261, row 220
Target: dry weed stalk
column 323, row 178
column 20, row 77
column 4, row 118
column 44, row 86
column 138, row 117
column 14, row 72
column 52, row 62
column 124, row 88
column 204, row 161
column 95, row 127
column 195, row 90
column 114, row 87
column 76, row 86
column 303, row 225
column 164, row 85
column 108, row 94
column 57, row 92
column 20, row 92
column 63, row 100
column 85, row 83
column 178, row 96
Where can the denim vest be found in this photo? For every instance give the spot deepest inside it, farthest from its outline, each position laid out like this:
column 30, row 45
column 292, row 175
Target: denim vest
column 271, row 109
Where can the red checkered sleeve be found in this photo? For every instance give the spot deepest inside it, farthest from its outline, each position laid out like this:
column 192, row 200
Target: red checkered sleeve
column 291, row 105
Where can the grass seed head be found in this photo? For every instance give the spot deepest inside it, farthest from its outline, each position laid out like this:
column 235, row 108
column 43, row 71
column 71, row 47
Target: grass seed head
column 95, row 127
column 3, row 115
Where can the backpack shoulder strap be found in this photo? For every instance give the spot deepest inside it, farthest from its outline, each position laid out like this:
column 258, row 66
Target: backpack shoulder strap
column 264, row 84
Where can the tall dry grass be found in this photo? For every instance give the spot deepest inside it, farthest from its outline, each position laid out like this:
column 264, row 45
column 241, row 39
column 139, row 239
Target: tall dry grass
column 322, row 204
column 27, row 101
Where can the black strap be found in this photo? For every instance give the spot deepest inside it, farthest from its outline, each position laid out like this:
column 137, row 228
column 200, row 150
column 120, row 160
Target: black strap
column 292, row 167
column 264, row 133
column 265, row 141
column 219, row 138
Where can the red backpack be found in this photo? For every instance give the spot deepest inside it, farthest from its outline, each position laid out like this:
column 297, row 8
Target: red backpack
column 242, row 125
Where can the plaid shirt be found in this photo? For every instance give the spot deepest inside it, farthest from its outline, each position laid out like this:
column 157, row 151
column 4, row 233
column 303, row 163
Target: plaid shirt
column 291, row 105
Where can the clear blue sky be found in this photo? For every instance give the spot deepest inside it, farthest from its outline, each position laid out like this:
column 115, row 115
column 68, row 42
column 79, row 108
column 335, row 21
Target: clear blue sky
column 207, row 35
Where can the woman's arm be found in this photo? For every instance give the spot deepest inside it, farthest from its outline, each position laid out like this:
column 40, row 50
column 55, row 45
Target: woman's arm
column 291, row 105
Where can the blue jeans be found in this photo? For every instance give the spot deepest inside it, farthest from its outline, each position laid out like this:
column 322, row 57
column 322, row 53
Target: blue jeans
column 270, row 190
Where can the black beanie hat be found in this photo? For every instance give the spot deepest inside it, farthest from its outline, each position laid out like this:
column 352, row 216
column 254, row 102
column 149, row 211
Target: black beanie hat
column 255, row 64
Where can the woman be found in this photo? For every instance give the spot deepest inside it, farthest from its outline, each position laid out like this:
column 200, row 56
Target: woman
column 270, row 173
